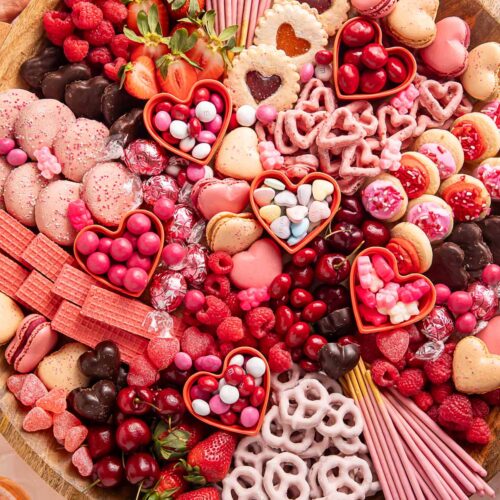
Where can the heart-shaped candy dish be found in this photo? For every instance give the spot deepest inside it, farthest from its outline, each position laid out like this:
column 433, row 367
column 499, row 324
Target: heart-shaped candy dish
column 363, row 68
column 211, row 397
column 294, row 214
column 192, row 128
column 124, row 259
column 382, row 299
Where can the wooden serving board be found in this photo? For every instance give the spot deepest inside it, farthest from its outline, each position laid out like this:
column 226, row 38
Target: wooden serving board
column 21, row 41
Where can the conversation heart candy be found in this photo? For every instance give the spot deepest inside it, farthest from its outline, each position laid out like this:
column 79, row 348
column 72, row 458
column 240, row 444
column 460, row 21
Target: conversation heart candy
column 274, row 184
column 296, row 213
column 270, row 213
column 321, row 189
column 263, row 196
column 281, row 227
column 304, row 194
column 299, row 229
column 318, row 210
column 285, row 199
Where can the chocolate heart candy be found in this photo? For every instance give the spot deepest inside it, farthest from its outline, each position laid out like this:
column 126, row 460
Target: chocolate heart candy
column 84, row 97
column 95, row 403
column 54, row 83
column 491, row 234
column 448, row 266
column 33, row 70
column 261, row 87
column 121, row 378
column 127, row 127
column 337, row 324
column 115, row 102
column 336, row 360
column 101, row 363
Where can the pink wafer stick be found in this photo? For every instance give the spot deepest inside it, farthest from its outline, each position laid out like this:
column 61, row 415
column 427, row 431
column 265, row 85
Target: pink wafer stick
column 431, row 425
column 428, row 489
column 440, row 454
column 234, row 12
column 252, row 23
column 245, row 21
column 264, row 5
column 241, row 5
column 209, row 5
column 221, row 8
column 228, row 12
column 421, row 446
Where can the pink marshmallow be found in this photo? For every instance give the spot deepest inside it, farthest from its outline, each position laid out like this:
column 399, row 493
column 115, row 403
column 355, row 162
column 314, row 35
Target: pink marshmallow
column 382, row 268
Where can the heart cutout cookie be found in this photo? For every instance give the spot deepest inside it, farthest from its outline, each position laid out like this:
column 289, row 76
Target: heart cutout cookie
column 400, row 52
column 261, row 87
column 237, row 428
column 426, row 303
column 211, row 85
column 288, row 41
column 102, row 231
column 475, row 370
column 289, row 186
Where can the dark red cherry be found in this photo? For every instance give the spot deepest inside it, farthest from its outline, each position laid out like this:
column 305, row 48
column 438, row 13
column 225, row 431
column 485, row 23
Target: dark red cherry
column 345, row 237
column 332, row 268
column 142, row 468
column 335, row 297
column 351, row 210
column 108, row 472
column 375, row 233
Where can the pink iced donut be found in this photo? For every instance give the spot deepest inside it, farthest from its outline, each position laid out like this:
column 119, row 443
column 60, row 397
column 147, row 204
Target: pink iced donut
column 40, row 122
column 21, row 191
column 51, row 211
column 110, row 190
column 5, row 169
column 11, row 103
column 80, row 147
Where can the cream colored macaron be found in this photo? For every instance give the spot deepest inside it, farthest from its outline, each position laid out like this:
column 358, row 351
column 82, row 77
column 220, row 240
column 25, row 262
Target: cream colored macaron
column 11, row 316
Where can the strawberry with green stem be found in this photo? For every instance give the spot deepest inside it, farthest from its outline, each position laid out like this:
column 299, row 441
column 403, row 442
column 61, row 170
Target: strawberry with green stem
column 171, row 443
column 136, row 6
column 170, row 485
column 138, row 78
column 181, row 8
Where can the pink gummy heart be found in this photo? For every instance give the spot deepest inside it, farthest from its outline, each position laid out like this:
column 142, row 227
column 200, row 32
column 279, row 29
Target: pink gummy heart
column 142, row 372
column 197, row 344
column 37, row 419
column 162, row 351
column 75, row 438
column 82, row 460
column 54, row 401
column 393, row 345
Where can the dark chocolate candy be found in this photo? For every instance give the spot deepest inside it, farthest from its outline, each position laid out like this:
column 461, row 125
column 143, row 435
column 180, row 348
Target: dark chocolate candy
column 448, row 266
column 84, row 97
column 337, row 324
column 336, row 360
column 101, row 363
column 491, row 234
column 54, row 83
column 33, row 70
column 127, row 127
column 115, row 102
column 95, row 403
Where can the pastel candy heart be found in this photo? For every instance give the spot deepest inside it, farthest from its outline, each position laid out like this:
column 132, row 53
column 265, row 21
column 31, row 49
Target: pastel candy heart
column 296, row 213
column 281, row 227
column 274, row 184
column 300, row 228
column 293, row 240
column 263, row 196
column 285, row 199
column 321, row 189
column 318, row 210
column 226, row 195
column 270, row 212
column 304, row 194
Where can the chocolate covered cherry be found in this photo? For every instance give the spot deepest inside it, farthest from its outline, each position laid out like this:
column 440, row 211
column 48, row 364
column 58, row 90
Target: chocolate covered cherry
column 348, row 78
column 373, row 81
column 396, row 70
column 374, row 56
column 353, row 56
column 358, row 33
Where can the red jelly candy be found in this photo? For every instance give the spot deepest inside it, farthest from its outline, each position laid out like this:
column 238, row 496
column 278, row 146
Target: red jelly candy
column 15, row 384
column 37, row 419
column 32, row 390
column 63, row 423
column 82, row 460
column 54, row 401
column 75, row 438
column 141, row 372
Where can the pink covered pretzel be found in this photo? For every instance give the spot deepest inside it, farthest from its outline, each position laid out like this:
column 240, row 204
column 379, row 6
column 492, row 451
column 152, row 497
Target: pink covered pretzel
column 364, row 114
column 393, row 125
column 433, row 92
column 341, row 120
column 330, row 384
column 342, row 418
column 316, row 97
column 319, row 445
column 286, row 472
column 254, row 452
column 302, row 128
column 244, row 483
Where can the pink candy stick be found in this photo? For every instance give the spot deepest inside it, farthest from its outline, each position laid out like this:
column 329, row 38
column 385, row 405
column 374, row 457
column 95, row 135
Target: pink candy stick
column 234, row 12
column 220, row 15
column 428, row 489
column 209, row 5
column 431, row 425
column 245, row 21
column 264, row 5
column 253, row 22
column 229, row 12
column 241, row 5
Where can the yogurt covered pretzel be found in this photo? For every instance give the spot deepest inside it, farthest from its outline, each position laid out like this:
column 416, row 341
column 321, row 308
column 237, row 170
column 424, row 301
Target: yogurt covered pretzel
column 316, row 97
column 287, row 380
column 342, row 418
column 348, row 446
column 245, row 483
column 254, row 452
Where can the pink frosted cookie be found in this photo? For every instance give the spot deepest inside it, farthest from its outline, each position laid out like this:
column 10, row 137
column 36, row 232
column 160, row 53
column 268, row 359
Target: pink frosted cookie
column 385, row 198
column 5, row 169
column 40, row 122
column 80, row 147
column 51, row 211
column 110, row 190
column 11, row 103
column 21, row 190
column 489, row 173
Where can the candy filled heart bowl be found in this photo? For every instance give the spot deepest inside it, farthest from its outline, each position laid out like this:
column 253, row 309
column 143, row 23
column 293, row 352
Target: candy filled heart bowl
column 238, row 360
column 191, row 128
column 402, row 299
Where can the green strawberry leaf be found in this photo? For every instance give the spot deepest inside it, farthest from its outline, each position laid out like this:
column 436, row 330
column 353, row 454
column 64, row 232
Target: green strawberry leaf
column 209, row 23
column 177, row 4
column 122, row 72
column 142, row 22
column 131, row 35
column 194, row 8
column 229, row 32
column 153, row 20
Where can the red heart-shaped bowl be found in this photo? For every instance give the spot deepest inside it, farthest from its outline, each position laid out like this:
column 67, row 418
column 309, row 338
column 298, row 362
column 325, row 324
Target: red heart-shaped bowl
column 104, row 231
column 308, row 179
column 212, row 85
column 426, row 303
column 402, row 53
column 239, row 429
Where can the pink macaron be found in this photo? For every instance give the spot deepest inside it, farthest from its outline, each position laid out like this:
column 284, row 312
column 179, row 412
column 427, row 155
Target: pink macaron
column 11, row 103
column 33, row 340
column 374, row 8
column 5, row 170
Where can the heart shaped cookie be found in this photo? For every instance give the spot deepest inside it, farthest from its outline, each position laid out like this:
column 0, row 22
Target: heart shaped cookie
column 212, row 419
column 475, row 370
column 400, row 53
column 359, row 306
column 156, row 227
column 481, row 79
column 151, row 108
column 295, row 208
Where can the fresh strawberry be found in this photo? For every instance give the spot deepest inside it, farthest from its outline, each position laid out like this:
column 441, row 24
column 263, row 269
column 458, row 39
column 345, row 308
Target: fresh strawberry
column 210, row 459
column 176, row 73
column 138, row 78
column 174, row 443
column 151, row 43
column 208, row 493
column 181, row 8
column 136, row 6
column 170, row 485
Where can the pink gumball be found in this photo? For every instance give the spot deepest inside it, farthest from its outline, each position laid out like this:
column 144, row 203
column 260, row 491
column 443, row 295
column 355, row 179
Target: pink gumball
column 116, row 274
column 195, row 172
column 164, row 208
column 135, row 279
column 218, row 102
column 121, row 250
column 105, row 245
column 98, row 263
column 173, row 254
column 87, row 243
column 140, row 261
column 130, row 237
column 266, row 113
column 138, row 224
column 6, row 146
column 442, row 293
column 148, row 243
column 194, row 300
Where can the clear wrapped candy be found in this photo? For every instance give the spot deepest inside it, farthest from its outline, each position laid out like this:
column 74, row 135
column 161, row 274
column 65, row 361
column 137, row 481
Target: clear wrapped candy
column 160, row 186
column 145, row 157
column 484, row 301
column 167, row 290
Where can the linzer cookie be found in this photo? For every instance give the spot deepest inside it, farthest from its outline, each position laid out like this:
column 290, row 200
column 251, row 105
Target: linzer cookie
column 35, row 293
column 14, row 237
column 12, row 276
column 263, row 75
column 73, row 284
column 46, row 257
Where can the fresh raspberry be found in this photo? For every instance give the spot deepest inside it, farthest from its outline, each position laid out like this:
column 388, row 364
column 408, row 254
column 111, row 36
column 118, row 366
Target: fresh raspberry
column 213, row 312
column 394, row 344
column 479, row 432
column 72, row 3
column 440, row 392
column 411, row 382
column 384, row 374
column 120, row 46
column 226, row 348
column 416, row 336
column 433, row 412
column 114, row 12
column 260, row 321
column 75, row 49
column 220, row 262
column 449, row 348
column 233, row 302
column 231, row 330
column 265, row 343
column 439, row 371
column 280, row 359
column 455, row 413
column 368, row 347
column 480, row 408
column 400, row 365
column 248, row 340
column 111, row 70
column 423, row 400
column 58, row 26
column 197, row 343
column 217, row 285
column 86, row 16
column 99, row 56
column 102, row 35
column 492, row 397
column 412, row 360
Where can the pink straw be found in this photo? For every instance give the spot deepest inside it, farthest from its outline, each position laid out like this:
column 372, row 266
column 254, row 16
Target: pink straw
column 253, row 22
